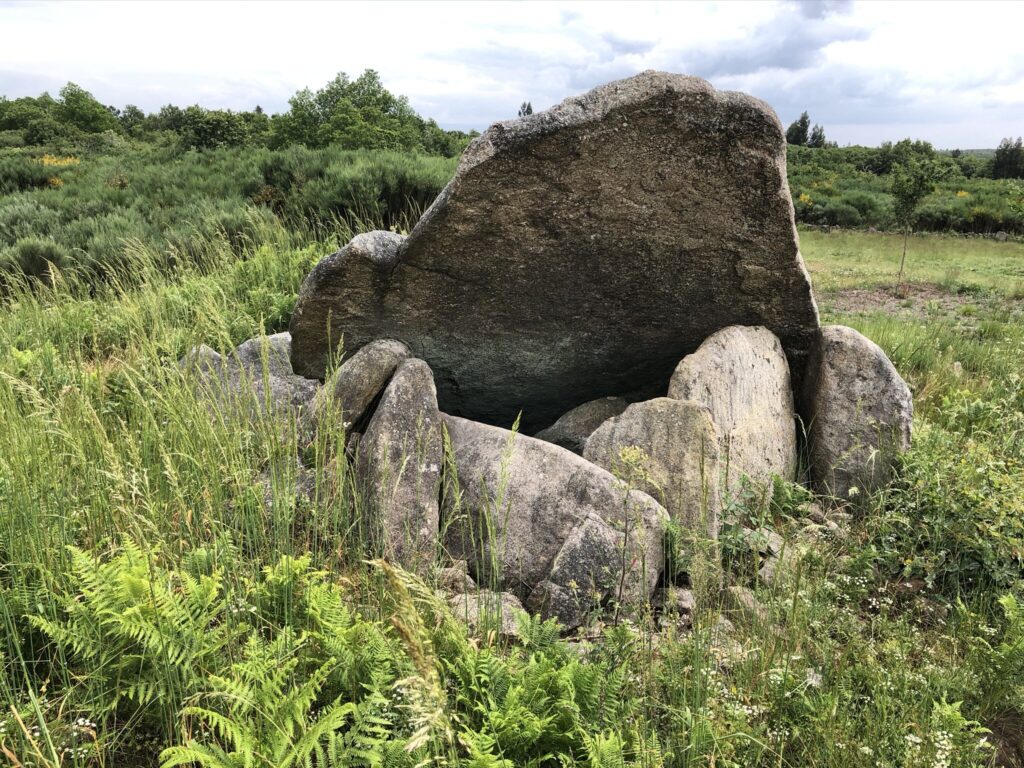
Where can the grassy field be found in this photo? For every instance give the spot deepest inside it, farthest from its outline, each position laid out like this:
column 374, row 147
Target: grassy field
column 846, row 259
column 157, row 608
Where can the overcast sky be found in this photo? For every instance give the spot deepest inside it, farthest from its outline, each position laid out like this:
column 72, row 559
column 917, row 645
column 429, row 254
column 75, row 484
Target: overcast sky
column 948, row 72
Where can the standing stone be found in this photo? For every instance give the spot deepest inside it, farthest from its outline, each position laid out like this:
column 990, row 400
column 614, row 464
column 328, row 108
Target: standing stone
column 861, row 414
column 400, row 457
column 356, row 384
column 534, row 519
column 573, row 428
column 580, row 252
column 740, row 373
column 680, row 462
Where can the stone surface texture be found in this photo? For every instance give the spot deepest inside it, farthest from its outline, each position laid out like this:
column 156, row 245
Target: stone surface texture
column 680, row 462
column 486, row 611
column 861, row 412
column 254, row 377
column 741, row 374
column 579, row 253
column 547, row 525
column 573, row 428
column 359, row 380
column 399, row 463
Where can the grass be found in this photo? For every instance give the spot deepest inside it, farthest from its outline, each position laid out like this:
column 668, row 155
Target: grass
column 156, row 607
column 843, row 259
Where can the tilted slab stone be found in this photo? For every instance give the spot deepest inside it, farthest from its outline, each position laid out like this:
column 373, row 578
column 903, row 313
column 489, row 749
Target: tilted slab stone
column 400, row 457
column 740, row 373
column 861, row 412
column 680, row 462
column 525, row 513
column 573, row 428
column 358, row 381
column 580, row 252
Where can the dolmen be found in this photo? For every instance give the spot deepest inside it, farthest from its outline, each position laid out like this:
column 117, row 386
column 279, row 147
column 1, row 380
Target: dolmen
column 601, row 329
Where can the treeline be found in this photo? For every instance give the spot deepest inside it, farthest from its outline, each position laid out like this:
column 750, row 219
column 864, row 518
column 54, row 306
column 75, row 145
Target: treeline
column 1007, row 162
column 345, row 113
column 852, row 187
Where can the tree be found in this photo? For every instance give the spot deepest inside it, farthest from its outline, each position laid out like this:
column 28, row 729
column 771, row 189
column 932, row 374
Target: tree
column 358, row 113
column 132, row 119
column 80, row 110
column 798, row 130
column 912, row 180
column 1008, row 162
column 525, row 109
column 212, row 128
column 817, row 138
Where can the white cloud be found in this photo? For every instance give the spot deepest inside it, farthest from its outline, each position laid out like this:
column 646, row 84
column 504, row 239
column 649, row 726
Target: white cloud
column 952, row 73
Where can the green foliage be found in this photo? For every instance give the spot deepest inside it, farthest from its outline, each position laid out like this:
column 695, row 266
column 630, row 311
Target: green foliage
column 98, row 211
column 1008, row 162
column 912, row 181
column 78, row 109
column 263, row 714
column 817, row 138
column 827, row 183
column 357, row 114
column 798, row 130
column 33, row 257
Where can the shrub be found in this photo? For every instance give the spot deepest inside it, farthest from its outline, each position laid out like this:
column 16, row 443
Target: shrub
column 33, row 256
column 22, row 172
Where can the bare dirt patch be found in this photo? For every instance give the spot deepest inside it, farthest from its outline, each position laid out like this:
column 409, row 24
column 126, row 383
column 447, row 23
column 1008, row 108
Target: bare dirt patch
column 912, row 300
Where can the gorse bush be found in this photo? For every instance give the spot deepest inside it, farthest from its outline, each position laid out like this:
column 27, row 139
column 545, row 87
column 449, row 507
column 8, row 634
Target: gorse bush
column 850, row 187
column 175, row 203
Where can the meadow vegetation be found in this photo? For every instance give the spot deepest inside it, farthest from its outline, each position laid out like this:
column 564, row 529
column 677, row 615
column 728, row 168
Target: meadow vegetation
column 157, row 609
column 167, row 597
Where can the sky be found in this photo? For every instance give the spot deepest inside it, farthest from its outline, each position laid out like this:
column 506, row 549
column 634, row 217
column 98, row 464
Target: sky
column 948, row 72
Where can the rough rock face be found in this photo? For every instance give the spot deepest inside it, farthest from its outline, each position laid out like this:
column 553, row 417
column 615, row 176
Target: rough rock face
column 861, row 412
column 359, row 380
column 681, row 463
column 573, row 428
column 400, row 457
column 484, row 610
column 741, row 375
column 580, row 252
column 250, row 354
column 547, row 525
column 241, row 380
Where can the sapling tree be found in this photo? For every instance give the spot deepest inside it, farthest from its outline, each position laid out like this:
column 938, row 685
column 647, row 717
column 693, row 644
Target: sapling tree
column 912, row 181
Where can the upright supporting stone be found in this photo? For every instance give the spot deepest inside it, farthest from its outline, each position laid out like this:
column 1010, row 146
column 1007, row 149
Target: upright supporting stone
column 741, row 374
column 861, row 415
column 400, row 458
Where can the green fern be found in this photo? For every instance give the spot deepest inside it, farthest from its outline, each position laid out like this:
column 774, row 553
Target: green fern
column 263, row 716
column 143, row 634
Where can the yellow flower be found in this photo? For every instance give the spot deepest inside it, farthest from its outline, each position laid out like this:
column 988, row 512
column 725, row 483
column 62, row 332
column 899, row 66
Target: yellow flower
column 963, row 193
column 805, row 199
column 59, row 162
column 56, row 181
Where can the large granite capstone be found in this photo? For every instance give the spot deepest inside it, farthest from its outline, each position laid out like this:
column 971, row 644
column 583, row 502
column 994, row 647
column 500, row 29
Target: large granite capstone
column 579, row 253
